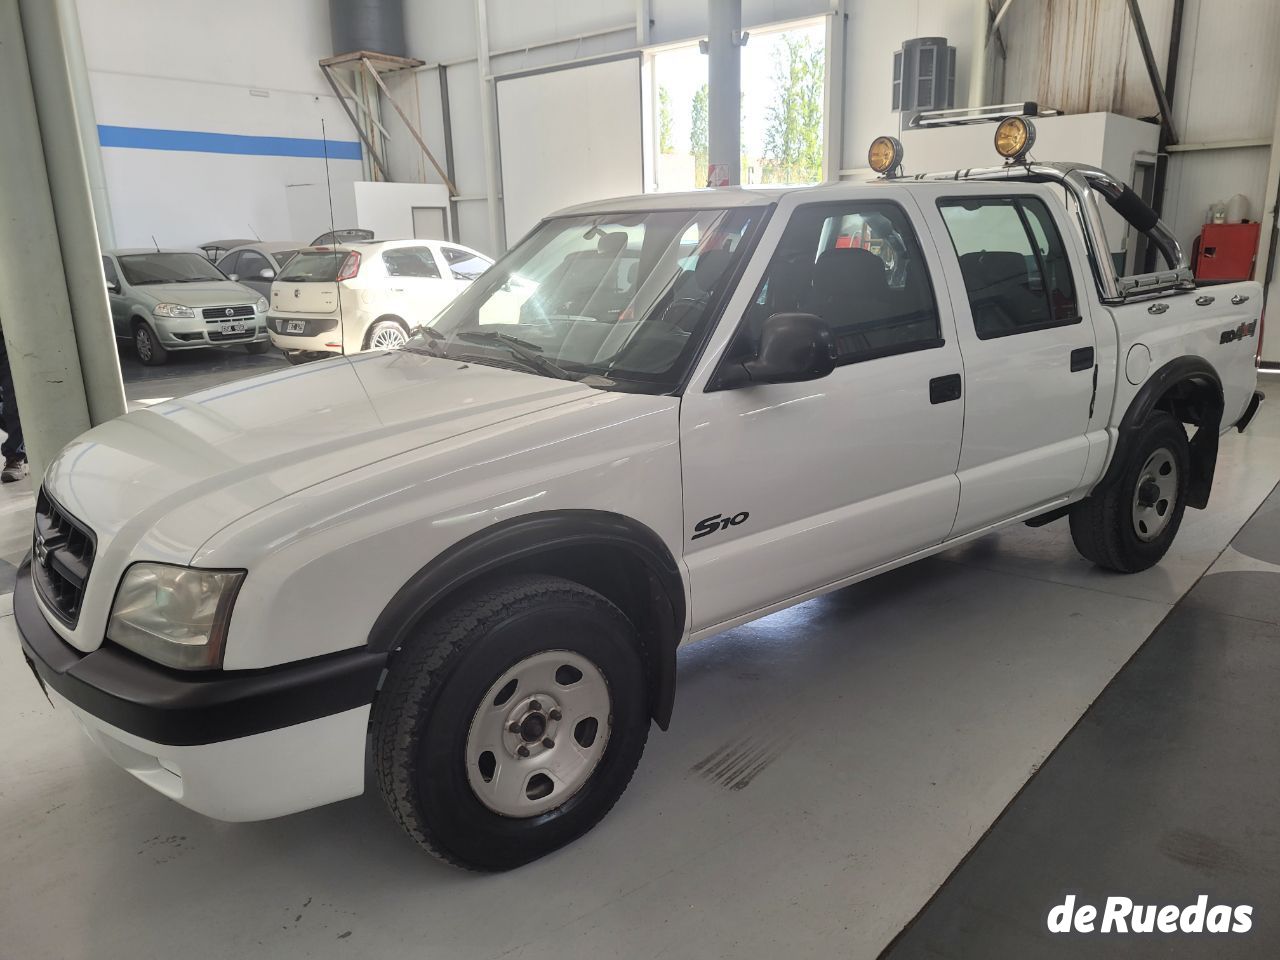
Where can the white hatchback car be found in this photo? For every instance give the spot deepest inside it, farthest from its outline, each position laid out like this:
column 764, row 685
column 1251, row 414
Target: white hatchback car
column 359, row 296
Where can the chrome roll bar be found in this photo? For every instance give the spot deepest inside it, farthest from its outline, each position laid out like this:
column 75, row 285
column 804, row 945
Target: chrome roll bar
column 1086, row 183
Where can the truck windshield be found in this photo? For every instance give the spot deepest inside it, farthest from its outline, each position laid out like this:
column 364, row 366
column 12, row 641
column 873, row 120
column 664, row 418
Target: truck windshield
column 618, row 300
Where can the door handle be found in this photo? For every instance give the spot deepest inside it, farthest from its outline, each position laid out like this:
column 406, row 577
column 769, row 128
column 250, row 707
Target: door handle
column 1081, row 359
column 944, row 389
column 1158, row 308
column 1204, row 301
column 1239, row 298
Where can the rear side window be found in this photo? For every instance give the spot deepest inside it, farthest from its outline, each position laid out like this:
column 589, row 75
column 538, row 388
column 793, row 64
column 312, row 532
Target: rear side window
column 464, row 264
column 1015, row 267
column 859, row 267
column 410, row 262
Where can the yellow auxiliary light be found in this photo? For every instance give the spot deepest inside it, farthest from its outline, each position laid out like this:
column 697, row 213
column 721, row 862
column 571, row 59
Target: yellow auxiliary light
column 1014, row 138
column 885, row 155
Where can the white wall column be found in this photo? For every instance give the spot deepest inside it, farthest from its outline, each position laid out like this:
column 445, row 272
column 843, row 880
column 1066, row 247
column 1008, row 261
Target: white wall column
column 724, row 86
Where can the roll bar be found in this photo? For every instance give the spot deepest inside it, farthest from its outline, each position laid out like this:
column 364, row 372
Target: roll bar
column 1086, row 184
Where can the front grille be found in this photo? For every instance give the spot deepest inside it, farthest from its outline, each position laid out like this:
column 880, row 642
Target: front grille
column 61, row 558
column 227, row 313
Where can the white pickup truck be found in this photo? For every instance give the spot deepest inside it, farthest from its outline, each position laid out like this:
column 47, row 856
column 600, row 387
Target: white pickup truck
column 654, row 419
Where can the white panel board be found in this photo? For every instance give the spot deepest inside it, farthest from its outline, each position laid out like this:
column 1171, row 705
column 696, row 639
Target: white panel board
column 568, row 136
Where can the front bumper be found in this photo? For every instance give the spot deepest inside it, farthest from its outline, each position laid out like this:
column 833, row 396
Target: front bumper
column 188, row 334
column 234, row 745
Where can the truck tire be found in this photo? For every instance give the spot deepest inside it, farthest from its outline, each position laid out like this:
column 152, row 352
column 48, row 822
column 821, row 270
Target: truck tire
column 147, row 346
column 512, row 723
column 1128, row 526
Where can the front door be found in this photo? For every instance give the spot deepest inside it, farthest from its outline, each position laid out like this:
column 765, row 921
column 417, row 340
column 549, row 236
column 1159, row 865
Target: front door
column 1029, row 354
column 790, row 487
column 115, row 294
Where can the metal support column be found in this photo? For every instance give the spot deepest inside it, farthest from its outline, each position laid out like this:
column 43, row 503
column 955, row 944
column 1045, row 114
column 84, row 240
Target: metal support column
column 35, row 302
column 489, row 131
column 88, row 120
column 724, row 87
column 833, row 99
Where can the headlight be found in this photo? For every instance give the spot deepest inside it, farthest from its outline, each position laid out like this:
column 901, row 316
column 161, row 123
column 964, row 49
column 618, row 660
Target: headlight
column 176, row 616
column 262, row 304
column 174, row 310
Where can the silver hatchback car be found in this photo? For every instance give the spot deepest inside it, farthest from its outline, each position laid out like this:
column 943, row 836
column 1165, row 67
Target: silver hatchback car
column 166, row 300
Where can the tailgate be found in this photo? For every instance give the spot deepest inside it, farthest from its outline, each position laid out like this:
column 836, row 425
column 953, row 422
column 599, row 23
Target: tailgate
column 309, row 297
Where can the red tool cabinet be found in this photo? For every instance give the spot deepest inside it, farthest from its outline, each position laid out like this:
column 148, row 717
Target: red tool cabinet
column 1226, row 251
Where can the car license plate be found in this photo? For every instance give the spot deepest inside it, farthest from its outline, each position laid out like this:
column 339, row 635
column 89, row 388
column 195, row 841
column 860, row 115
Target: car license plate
column 295, row 326
column 232, row 328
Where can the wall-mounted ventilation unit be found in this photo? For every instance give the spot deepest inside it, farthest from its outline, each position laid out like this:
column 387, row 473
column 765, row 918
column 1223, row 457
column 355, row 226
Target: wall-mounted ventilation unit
column 924, row 75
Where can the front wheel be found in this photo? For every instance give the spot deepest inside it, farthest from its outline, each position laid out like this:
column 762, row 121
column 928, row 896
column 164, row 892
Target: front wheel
column 511, row 725
column 147, row 346
column 258, row 347
column 1129, row 526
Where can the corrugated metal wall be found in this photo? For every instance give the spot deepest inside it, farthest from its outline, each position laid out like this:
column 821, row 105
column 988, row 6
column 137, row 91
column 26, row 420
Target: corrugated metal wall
column 1082, row 55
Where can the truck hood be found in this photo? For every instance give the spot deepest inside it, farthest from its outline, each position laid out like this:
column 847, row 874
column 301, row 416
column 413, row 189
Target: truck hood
column 214, row 293
column 158, row 483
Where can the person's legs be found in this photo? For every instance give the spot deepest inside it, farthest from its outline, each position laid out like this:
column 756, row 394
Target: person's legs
column 15, row 456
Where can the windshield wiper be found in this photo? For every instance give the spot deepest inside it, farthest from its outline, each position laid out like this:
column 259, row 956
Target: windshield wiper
column 530, row 353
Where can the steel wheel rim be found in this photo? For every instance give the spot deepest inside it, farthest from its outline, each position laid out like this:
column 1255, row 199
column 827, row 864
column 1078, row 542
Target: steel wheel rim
column 1155, row 494
column 389, row 338
column 559, row 698
column 144, row 343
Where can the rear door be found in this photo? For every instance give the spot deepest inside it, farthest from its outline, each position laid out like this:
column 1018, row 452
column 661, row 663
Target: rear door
column 1030, row 352
column 418, row 288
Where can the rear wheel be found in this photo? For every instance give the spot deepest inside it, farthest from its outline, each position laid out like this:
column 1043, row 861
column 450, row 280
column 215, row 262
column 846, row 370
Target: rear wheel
column 147, row 346
column 386, row 335
column 511, row 725
column 1129, row 526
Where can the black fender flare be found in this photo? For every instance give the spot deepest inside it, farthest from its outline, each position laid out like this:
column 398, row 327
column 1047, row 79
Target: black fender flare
column 1204, row 445
column 519, row 541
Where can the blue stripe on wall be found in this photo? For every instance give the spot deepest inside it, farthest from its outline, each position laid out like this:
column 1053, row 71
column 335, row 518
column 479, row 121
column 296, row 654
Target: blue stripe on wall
column 196, row 141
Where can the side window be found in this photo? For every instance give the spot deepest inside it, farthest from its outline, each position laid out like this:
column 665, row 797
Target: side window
column 109, row 271
column 228, row 264
column 464, row 264
column 251, row 265
column 410, row 262
column 1014, row 264
column 859, row 267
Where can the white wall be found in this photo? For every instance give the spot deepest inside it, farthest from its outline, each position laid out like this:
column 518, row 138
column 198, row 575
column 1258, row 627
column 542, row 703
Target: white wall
column 183, row 65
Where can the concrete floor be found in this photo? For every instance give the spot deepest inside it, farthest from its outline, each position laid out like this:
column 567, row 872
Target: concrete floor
column 891, row 723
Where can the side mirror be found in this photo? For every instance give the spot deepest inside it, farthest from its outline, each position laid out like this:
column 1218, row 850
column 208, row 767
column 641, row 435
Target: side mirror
column 267, row 274
column 112, row 286
column 794, row 347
